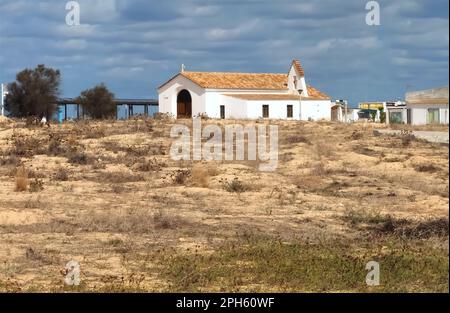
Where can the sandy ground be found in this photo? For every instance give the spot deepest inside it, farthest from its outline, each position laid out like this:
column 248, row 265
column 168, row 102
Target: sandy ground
column 124, row 197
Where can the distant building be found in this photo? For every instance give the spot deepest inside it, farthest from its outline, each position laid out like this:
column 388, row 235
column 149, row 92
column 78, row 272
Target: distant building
column 352, row 115
column 427, row 106
column 367, row 109
column 371, row 105
column 340, row 112
column 337, row 110
column 396, row 112
column 4, row 92
column 244, row 95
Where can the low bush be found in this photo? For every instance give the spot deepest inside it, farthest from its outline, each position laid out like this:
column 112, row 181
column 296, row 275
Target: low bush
column 234, row 185
column 36, row 185
column 61, row 174
column 78, row 158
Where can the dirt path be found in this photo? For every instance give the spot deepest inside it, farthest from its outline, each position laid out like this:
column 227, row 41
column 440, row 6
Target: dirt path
column 431, row 136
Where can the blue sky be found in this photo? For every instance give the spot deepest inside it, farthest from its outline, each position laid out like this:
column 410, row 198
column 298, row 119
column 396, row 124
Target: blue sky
column 135, row 45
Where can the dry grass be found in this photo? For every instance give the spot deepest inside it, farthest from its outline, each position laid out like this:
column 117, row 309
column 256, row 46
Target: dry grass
column 21, row 179
column 36, row 185
column 118, row 177
column 431, row 127
column 162, row 219
column 181, row 176
column 108, row 195
column 201, row 174
column 61, row 174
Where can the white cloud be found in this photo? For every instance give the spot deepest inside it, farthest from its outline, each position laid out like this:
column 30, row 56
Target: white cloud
column 122, row 72
column 71, row 44
column 247, row 27
column 134, row 44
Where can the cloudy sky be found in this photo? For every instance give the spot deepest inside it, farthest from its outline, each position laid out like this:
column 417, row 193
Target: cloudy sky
column 135, row 45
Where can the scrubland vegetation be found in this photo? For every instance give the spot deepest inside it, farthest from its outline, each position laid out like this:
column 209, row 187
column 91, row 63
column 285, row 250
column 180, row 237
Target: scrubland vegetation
column 108, row 195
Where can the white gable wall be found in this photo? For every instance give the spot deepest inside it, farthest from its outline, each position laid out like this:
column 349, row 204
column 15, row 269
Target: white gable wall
column 300, row 84
column 168, row 96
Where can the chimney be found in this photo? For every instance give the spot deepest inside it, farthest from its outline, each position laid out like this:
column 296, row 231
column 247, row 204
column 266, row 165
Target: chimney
column 183, row 68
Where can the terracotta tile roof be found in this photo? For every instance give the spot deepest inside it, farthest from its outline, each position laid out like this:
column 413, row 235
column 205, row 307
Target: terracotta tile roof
column 250, row 81
column 298, row 67
column 216, row 80
column 263, row 96
column 314, row 94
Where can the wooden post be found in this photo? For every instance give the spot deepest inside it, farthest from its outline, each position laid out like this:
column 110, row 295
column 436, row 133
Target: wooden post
column 65, row 112
column 78, row 111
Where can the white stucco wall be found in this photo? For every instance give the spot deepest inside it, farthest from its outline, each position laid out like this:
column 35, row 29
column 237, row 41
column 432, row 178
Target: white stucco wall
column 444, row 115
column 419, row 114
column 234, row 108
column 277, row 109
column 316, row 110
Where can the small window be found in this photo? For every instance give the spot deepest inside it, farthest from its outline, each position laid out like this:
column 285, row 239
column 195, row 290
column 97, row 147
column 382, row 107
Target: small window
column 290, row 111
column 396, row 117
column 433, row 116
column 222, row 112
column 265, row 111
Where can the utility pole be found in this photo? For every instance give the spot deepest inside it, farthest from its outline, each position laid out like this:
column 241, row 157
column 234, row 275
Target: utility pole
column 300, row 106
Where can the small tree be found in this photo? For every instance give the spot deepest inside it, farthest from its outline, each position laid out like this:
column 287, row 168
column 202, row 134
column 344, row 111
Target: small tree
column 34, row 93
column 382, row 115
column 373, row 115
column 98, row 102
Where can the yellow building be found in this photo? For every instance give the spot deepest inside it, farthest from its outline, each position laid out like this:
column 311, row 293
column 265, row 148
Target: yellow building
column 371, row 105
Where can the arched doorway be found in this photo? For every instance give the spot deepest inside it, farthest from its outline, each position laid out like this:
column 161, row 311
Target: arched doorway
column 184, row 104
